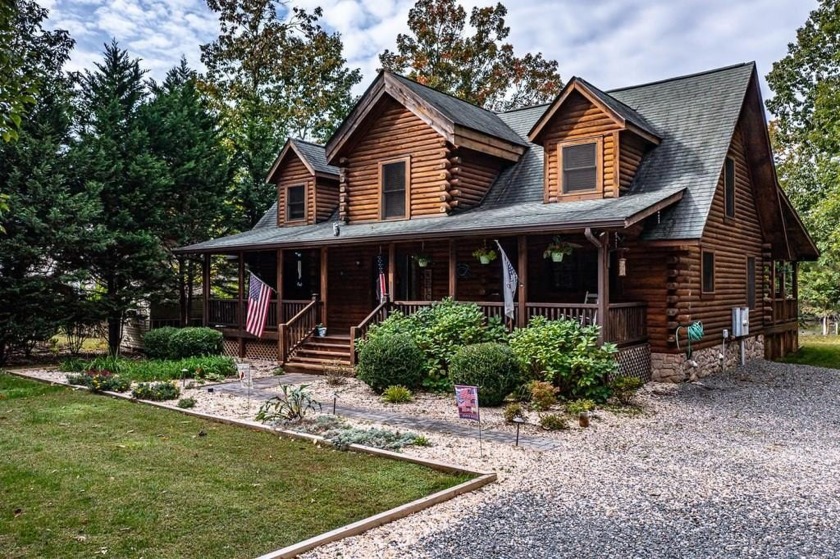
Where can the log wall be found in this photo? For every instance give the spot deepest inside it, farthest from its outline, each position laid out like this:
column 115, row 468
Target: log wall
column 394, row 132
column 326, row 193
column 580, row 119
column 471, row 174
column 631, row 150
column 294, row 173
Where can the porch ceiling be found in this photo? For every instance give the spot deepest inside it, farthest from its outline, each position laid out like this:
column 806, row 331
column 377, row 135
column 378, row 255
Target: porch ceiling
column 533, row 217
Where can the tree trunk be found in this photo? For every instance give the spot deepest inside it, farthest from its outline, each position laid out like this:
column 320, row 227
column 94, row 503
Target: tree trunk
column 182, row 293
column 190, row 289
column 115, row 316
column 825, row 325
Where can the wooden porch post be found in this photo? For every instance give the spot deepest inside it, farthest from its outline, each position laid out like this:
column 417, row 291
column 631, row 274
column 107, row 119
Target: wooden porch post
column 241, row 306
column 604, row 287
column 280, row 318
column 453, row 270
column 205, row 281
column 522, row 310
column 392, row 266
column 324, row 276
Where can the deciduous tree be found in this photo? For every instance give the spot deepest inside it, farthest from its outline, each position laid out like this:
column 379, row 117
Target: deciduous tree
column 473, row 63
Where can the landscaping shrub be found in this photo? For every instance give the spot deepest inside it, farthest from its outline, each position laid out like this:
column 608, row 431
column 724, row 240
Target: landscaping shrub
column 491, row 367
column 512, row 411
column 388, row 360
column 179, row 343
column 337, row 372
column 100, row 381
column 396, row 395
column 214, row 368
column 624, row 388
column 342, row 435
column 292, row 404
column 543, row 394
column 72, row 365
column 567, row 355
column 156, row 391
column 186, row 403
column 156, row 342
column 553, row 422
column 439, row 331
column 577, row 407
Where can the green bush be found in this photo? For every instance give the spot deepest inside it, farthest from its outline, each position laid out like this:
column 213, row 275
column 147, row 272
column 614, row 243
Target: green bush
column 567, row 355
column 512, row 411
column 553, row 422
column 213, row 367
column 156, row 343
column 292, row 404
column 624, row 388
column 577, row 407
column 186, row 403
column 156, row 391
column 439, row 330
column 179, row 343
column 492, row 367
column 100, row 381
column 396, row 395
column 388, row 360
column 72, row 365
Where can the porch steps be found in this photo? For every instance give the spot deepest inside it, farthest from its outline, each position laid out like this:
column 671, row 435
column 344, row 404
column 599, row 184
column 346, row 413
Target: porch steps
column 316, row 352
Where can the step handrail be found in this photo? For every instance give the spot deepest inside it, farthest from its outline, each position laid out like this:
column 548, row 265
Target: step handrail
column 294, row 332
column 376, row 316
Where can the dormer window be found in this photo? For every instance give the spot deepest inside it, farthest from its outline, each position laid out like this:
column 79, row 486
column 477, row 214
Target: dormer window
column 580, row 167
column 296, row 203
column 393, row 180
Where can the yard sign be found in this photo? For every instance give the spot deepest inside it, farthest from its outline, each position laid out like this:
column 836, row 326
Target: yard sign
column 466, row 398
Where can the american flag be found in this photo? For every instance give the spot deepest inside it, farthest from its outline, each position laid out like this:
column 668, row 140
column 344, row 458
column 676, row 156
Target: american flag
column 510, row 282
column 259, row 295
column 383, row 285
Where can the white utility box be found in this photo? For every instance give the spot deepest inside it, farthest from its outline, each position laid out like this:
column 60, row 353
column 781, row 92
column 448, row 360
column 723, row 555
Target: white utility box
column 740, row 322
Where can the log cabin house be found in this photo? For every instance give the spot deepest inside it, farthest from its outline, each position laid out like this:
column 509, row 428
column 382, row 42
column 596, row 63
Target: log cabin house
column 665, row 193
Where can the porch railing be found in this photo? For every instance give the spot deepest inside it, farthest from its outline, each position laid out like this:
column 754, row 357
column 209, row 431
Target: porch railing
column 627, row 323
column 295, row 331
column 379, row 314
column 586, row 313
column 785, row 310
column 225, row 312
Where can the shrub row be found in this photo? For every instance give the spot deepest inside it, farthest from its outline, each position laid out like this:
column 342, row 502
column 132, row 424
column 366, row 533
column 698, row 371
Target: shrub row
column 178, row 343
column 209, row 368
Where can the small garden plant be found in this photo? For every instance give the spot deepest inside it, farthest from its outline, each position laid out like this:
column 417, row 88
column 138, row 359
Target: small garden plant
column 293, row 404
column 156, row 391
column 577, row 407
column 396, row 395
column 100, row 381
column 337, row 373
column 342, row 435
column 543, row 394
column 186, row 403
column 624, row 388
column 512, row 410
column 553, row 422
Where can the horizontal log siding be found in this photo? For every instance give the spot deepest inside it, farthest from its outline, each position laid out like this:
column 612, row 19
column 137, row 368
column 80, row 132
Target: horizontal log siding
column 326, row 192
column 732, row 240
column 647, row 281
column 631, row 150
column 394, row 133
column 578, row 119
column 294, row 173
column 472, row 174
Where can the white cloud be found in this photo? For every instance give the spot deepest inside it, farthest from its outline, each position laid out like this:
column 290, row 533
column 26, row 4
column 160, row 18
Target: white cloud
column 612, row 43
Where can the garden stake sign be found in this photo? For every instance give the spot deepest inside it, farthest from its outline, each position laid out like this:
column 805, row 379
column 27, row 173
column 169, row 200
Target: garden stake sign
column 466, row 398
column 245, row 379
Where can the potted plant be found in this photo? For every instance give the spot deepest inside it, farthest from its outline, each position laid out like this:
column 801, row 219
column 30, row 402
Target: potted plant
column 485, row 255
column 557, row 249
column 321, row 330
column 422, row 260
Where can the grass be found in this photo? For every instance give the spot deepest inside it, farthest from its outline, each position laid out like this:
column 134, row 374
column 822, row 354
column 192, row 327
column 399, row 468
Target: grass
column 84, row 475
column 819, row 351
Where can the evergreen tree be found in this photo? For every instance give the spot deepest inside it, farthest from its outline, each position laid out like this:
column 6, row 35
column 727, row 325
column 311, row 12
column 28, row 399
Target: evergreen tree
column 184, row 133
column 114, row 159
column 475, row 65
column 273, row 73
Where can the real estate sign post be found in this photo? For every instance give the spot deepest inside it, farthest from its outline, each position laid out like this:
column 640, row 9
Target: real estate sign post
column 466, row 398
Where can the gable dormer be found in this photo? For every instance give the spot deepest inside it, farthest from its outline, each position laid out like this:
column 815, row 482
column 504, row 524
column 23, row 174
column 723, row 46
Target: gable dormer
column 408, row 151
column 593, row 144
column 307, row 187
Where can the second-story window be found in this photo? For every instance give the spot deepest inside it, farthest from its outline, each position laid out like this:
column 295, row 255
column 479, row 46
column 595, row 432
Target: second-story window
column 296, row 203
column 393, row 179
column 580, row 167
column 729, row 187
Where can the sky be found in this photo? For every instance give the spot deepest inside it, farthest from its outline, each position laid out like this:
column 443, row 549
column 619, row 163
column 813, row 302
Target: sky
column 610, row 43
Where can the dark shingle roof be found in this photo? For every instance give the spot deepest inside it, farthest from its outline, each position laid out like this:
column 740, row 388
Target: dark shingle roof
column 626, row 112
column 463, row 113
column 315, row 156
column 695, row 116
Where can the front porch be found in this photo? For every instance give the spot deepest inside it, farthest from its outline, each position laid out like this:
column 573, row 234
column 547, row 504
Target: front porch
column 338, row 286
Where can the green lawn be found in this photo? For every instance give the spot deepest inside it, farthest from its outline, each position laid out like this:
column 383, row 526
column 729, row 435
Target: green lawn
column 819, row 351
column 83, row 475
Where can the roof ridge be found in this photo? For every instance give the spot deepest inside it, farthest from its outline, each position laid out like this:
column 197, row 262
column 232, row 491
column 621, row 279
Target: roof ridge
column 547, row 103
column 442, row 92
column 683, row 77
column 307, row 142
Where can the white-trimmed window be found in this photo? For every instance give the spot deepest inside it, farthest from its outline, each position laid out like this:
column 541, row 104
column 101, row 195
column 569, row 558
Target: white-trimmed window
column 296, row 203
column 580, row 167
column 393, row 181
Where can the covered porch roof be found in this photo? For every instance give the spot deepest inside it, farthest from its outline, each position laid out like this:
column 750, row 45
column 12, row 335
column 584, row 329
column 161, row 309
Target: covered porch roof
column 530, row 217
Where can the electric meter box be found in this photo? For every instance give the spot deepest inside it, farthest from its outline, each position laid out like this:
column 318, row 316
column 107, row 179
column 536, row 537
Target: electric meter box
column 740, row 322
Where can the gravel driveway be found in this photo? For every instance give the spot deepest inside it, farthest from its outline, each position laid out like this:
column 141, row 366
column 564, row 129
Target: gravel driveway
column 745, row 464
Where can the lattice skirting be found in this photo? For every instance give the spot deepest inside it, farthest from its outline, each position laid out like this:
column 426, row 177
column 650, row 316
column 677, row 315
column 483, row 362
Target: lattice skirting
column 635, row 362
column 230, row 347
column 259, row 349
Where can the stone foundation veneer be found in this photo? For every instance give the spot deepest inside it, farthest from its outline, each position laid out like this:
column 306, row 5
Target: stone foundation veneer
column 674, row 367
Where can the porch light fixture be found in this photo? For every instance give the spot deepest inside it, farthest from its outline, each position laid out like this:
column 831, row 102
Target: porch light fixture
column 519, row 421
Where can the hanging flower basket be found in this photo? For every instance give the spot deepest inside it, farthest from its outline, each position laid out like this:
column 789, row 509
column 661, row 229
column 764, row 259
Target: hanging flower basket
column 558, row 249
column 484, row 255
column 423, row 260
